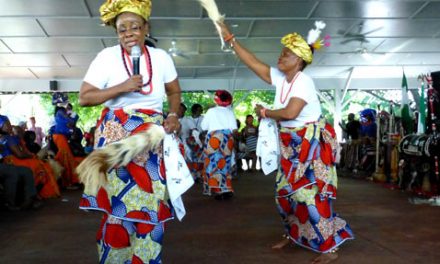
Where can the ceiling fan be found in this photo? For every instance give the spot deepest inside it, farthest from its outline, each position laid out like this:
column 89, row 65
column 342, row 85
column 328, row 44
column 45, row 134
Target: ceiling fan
column 176, row 52
column 357, row 36
column 362, row 50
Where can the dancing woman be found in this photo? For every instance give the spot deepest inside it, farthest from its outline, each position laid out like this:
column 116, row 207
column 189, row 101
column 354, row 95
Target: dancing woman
column 306, row 181
column 133, row 198
column 220, row 124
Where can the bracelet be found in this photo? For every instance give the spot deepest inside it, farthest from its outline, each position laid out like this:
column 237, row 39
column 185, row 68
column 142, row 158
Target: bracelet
column 263, row 112
column 229, row 38
column 231, row 43
column 172, row 114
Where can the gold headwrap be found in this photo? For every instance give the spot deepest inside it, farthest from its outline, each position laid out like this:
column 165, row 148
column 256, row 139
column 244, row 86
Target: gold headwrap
column 112, row 8
column 298, row 45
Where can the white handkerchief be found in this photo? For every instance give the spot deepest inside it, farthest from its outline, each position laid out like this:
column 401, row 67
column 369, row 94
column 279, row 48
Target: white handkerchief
column 268, row 148
column 196, row 135
column 179, row 178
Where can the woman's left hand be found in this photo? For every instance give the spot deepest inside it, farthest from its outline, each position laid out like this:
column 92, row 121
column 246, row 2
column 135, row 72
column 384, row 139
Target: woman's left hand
column 171, row 124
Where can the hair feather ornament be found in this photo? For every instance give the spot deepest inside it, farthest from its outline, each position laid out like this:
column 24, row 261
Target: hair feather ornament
column 211, row 8
column 313, row 36
column 93, row 170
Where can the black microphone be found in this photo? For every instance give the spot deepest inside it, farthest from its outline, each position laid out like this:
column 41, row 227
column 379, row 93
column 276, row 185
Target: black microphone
column 135, row 55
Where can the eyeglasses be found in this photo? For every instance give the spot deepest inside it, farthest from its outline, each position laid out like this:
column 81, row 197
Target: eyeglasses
column 134, row 28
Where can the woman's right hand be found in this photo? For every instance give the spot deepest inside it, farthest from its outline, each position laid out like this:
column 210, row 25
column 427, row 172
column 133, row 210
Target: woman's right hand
column 133, row 84
column 225, row 30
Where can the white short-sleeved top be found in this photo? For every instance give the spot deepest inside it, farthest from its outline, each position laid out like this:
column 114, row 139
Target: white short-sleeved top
column 219, row 118
column 108, row 70
column 303, row 88
column 187, row 124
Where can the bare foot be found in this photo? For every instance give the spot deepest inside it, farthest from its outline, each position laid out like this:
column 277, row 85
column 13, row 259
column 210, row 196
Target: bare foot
column 281, row 244
column 325, row 258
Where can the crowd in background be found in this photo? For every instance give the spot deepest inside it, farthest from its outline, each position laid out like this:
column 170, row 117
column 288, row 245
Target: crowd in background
column 217, row 148
column 35, row 164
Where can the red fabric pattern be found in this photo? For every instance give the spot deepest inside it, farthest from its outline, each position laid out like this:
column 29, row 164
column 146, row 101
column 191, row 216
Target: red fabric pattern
column 323, row 207
column 116, row 236
column 326, row 154
column 121, row 115
column 103, row 201
column 136, row 260
column 144, row 229
column 304, row 153
column 141, row 128
column 294, row 231
column 302, row 213
column 84, row 202
column 163, row 212
column 139, row 215
column 285, row 138
column 328, row 244
column 140, row 176
column 103, row 114
column 285, row 165
column 284, row 204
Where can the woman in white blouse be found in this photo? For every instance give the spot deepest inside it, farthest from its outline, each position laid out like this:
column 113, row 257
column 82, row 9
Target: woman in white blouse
column 306, row 181
column 219, row 122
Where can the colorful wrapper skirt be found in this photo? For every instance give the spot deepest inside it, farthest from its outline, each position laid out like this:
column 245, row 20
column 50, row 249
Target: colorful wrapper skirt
column 135, row 201
column 43, row 175
column 217, row 177
column 306, row 186
column 195, row 159
column 69, row 162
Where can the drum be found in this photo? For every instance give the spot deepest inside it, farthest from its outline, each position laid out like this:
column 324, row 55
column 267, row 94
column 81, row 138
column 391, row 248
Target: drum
column 415, row 145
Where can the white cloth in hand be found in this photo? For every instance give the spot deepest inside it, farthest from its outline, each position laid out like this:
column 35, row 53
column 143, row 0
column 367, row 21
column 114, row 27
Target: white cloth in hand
column 268, row 148
column 179, row 178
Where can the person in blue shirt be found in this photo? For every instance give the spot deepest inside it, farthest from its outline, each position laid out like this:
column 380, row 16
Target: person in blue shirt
column 61, row 133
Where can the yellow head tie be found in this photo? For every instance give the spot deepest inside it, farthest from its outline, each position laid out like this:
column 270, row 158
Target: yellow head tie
column 299, row 46
column 112, row 8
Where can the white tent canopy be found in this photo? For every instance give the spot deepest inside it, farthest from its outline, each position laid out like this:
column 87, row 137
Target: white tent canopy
column 43, row 40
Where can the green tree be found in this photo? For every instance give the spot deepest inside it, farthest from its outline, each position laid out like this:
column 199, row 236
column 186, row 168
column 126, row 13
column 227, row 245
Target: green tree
column 87, row 115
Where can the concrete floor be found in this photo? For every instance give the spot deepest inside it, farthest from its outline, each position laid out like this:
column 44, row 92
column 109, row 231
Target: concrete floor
column 388, row 229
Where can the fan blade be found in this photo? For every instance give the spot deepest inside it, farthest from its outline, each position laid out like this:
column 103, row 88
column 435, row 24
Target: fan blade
column 348, row 52
column 341, row 32
column 361, row 40
column 372, row 31
column 183, row 55
column 354, row 35
column 349, row 40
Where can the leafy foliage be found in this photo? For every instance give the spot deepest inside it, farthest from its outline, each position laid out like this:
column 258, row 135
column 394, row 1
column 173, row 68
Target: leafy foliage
column 87, row 115
column 244, row 104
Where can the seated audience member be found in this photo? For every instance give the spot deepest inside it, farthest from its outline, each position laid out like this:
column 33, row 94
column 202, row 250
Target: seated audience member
column 39, row 134
column 12, row 178
column 14, row 152
column 29, row 140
